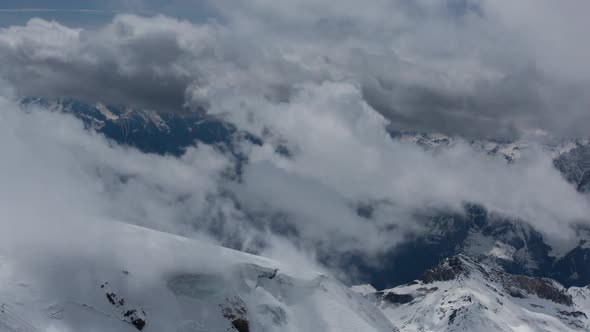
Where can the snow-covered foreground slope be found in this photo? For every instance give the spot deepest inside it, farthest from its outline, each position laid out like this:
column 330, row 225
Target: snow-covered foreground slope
column 128, row 278
column 463, row 295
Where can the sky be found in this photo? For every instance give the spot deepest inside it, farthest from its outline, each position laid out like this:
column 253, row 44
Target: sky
column 328, row 82
column 96, row 12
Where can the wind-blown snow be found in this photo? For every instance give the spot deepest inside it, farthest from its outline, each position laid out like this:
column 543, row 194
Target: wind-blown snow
column 172, row 284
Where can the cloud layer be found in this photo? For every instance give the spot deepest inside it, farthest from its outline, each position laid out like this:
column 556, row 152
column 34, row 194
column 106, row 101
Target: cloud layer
column 474, row 68
column 324, row 83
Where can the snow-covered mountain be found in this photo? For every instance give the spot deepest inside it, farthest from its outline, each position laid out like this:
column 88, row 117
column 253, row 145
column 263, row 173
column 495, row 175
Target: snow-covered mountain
column 155, row 281
column 147, row 130
column 151, row 281
column 509, row 150
column 461, row 294
column 510, row 244
column 147, row 280
column 570, row 155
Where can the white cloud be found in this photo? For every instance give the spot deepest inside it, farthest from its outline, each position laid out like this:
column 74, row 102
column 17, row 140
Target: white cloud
column 53, row 168
column 342, row 155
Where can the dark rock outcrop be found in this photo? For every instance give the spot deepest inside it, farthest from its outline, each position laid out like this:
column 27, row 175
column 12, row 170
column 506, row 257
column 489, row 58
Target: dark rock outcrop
column 518, row 286
column 135, row 317
column 234, row 309
column 460, row 266
column 449, row 269
column 394, row 298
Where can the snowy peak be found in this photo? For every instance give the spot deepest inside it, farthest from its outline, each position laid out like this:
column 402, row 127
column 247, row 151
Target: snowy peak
column 428, row 141
column 453, row 268
column 461, row 267
column 509, row 150
column 494, row 239
column 148, row 130
column 461, row 294
column 572, row 154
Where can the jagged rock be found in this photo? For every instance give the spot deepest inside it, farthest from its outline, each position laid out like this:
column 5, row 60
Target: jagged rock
column 234, row 309
column 448, row 270
column 135, row 317
column 573, row 313
column 394, row 298
column 541, row 287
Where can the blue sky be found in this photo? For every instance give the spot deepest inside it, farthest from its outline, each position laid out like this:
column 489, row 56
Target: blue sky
column 20, row 11
column 96, row 12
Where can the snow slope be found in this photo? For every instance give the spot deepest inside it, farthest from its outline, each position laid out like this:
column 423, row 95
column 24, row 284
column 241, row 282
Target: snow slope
column 128, row 278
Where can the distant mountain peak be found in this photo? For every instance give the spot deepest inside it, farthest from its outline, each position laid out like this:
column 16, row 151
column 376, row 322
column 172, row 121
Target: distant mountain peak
column 461, row 294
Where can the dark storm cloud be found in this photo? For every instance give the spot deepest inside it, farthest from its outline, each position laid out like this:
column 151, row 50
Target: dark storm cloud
column 491, row 110
column 90, row 68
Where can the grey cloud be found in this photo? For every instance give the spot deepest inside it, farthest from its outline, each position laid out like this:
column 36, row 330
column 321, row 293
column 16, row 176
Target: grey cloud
column 474, row 68
column 343, row 155
column 490, row 111
column 118, row 64
column 470, row 68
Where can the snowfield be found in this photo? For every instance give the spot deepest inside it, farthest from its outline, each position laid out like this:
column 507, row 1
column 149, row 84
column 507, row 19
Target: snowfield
column 153, row 281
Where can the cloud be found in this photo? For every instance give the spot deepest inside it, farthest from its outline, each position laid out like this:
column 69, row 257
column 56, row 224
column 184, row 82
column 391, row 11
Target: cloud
column 65, row 190
column 471, row 68
column 324, row 83
column 342, row 155
column 310, row 197
column 133, row 60
column 62, row 170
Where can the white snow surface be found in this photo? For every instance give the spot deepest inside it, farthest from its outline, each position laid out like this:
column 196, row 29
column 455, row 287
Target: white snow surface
column 172, row 283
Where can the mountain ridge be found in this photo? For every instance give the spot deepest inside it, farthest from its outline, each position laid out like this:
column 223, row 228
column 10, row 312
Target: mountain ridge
column 461, row 294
